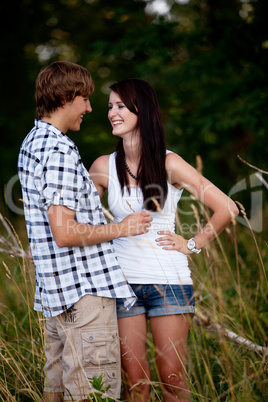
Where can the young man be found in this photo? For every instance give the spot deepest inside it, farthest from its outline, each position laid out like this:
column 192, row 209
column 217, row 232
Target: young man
column 77, row 274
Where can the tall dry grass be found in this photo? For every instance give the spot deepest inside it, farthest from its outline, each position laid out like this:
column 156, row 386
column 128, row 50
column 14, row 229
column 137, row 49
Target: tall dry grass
column 21, row 329
column 227, row 348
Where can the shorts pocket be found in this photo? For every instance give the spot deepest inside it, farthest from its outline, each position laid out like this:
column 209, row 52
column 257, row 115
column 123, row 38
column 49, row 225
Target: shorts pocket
column 99, row 348
column 110, row 377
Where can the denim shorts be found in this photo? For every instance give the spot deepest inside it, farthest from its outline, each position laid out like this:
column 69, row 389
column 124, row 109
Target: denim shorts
column 159, row 300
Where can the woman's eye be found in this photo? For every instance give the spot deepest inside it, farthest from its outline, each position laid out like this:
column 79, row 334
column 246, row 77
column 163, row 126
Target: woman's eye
column 119, row 106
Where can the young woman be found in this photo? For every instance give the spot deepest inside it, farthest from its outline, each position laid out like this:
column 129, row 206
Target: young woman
column 142, row 174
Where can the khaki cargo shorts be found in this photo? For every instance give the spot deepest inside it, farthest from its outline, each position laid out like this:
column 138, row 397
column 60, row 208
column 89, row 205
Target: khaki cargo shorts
column 82, row 343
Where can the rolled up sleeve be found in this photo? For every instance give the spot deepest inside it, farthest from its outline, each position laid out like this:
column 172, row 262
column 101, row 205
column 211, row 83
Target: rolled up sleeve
column 59, row 182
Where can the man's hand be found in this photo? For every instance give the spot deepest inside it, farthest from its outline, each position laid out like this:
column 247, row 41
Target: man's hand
column 135, row 224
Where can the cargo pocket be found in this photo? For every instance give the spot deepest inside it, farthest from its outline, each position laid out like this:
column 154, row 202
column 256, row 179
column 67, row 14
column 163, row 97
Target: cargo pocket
column 101, row 357
column 110, row 377
column 99, row 348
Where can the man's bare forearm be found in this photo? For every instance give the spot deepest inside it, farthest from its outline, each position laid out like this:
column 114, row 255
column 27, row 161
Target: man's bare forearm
column 68, row 232
column 79, row 234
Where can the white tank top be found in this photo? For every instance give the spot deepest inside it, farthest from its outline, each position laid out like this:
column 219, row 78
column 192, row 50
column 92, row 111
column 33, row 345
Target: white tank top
column 142, row 261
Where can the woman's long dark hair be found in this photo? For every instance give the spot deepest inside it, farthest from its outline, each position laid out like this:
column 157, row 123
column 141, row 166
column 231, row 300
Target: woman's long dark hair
column 140, row 98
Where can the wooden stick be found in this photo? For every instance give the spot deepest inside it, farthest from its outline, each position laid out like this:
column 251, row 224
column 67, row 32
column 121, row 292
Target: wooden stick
column 201, row 319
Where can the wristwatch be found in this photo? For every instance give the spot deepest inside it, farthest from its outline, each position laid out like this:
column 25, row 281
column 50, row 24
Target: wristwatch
column 191, row 246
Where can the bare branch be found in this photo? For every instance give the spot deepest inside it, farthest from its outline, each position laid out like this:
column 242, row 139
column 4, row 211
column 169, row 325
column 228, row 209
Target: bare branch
column 201, row 319
column 252, row 166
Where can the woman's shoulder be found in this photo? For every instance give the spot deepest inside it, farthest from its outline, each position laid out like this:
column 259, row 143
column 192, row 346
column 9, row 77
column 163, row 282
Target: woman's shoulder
column 179, row 171
column 173, row 158
column 101, row 164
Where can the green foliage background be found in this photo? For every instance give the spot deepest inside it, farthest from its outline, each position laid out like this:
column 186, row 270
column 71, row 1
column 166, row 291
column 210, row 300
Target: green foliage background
column 206, row 59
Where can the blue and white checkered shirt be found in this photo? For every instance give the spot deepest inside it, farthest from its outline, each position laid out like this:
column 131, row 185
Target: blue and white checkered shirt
column 51, row 172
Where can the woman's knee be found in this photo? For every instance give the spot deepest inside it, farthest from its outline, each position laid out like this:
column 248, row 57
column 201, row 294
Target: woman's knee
column 137, row 378
column 173, row 376
column 136, row 385
column 138, row 390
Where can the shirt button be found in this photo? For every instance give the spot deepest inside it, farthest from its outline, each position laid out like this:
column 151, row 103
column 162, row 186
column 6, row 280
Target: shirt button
column 91, row 337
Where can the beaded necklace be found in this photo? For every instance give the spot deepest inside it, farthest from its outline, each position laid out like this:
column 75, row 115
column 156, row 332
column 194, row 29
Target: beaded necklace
column 129, row 171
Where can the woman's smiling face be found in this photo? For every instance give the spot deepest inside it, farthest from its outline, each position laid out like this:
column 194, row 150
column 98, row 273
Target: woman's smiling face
column 123, row 121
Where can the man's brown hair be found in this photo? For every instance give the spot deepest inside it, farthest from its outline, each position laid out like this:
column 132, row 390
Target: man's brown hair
column 58, row 83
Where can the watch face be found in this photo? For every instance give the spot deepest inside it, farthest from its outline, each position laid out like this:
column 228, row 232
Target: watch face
column 191, row 244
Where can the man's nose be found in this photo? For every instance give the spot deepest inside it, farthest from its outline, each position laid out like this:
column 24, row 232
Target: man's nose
column 89, row 108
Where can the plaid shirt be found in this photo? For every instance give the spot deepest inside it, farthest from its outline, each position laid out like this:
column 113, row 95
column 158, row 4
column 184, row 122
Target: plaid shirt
column 51, row 172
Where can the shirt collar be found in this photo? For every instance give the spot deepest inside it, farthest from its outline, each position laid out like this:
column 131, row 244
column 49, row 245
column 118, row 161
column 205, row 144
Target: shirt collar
column 45, row 125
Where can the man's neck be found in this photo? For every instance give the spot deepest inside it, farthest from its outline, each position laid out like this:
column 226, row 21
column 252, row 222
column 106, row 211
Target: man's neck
column 57, row 120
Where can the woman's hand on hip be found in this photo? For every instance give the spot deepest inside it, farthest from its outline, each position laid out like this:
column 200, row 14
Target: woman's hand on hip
column 172, row 241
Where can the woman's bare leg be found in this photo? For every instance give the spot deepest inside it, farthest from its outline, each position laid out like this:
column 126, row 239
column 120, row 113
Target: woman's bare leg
column 135, row 365
column 170, row 335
